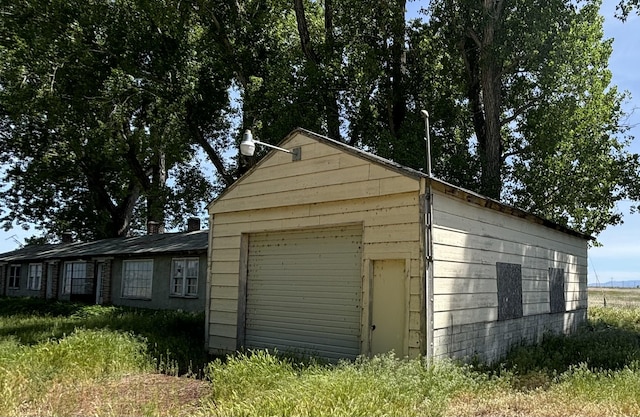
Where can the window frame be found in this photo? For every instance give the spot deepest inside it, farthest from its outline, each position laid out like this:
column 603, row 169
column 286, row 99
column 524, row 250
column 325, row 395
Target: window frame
column 148, row 292
column 13, row 278
column 185, row 280
column 67, row 281
column 32, row 279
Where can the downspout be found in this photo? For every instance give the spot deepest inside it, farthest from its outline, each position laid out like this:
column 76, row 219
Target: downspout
column 428, row 270
column 207, row 302
column 428, row 243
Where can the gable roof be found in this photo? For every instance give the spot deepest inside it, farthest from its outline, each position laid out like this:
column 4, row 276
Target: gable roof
column 156, row 244
column 437, row 184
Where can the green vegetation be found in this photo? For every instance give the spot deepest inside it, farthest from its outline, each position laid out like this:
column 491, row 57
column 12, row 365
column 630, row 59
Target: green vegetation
column 174, row 339
column 67, row 359
column 614, row 297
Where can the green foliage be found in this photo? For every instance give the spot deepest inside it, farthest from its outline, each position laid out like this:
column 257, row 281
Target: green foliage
column 94, row 100
column 55, row 344
column 27, row 371
column 104, row 104
column 174, row 339
column 610, row 342
column 264, row 384
column 625, row 7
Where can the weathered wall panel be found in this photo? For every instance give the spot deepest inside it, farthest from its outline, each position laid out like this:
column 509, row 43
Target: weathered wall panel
column 470, row 242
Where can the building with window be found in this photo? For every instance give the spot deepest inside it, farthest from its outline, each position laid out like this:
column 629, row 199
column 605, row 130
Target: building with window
column 160, row 271
column 337, row 252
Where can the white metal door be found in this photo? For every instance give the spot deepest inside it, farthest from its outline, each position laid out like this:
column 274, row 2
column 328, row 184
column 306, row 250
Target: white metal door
column 304, row 292
column 388, row 307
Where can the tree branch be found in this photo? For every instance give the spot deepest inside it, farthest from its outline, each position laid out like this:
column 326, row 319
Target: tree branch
column 303, row 31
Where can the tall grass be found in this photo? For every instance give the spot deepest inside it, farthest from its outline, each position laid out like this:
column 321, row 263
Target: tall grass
column 47, row 347
column 26, row 372
column 175, row 339
column 263, row 384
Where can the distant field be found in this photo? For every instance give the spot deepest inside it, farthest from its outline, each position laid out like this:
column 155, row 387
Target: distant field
column 614, row 297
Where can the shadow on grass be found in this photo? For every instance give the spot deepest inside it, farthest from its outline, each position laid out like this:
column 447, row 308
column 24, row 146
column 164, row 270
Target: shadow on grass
column 175, row 339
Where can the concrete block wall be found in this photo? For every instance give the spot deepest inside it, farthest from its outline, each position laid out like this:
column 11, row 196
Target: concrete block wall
column 491, row 341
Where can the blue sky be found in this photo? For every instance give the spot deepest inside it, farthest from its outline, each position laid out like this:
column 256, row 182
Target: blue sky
column 619, row 257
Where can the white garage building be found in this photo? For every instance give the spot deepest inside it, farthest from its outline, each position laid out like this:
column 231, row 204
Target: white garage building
column 337, row 252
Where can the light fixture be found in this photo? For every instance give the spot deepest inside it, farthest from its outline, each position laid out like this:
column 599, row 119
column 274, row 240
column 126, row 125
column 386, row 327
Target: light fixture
column 248, row 146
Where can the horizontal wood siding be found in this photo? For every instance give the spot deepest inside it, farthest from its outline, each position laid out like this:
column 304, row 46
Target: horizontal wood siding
column 326, row 188
column 468, row 242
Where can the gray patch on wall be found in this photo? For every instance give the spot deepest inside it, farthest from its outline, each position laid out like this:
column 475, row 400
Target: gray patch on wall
column 509, row 290
column 556, row 290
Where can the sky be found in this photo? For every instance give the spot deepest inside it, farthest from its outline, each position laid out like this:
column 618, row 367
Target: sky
column 619, row 256
column 618, row 259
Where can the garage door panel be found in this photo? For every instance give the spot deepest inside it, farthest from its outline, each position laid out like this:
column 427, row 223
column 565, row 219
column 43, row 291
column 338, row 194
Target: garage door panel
column 318, row 330
column 349, row 293
column 322, row 348
column 297, row 305
column 304, row 291
column 337, row 319
column 312, row 341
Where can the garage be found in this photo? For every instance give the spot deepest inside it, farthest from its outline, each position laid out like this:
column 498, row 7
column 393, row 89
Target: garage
column 336, row 252
column 304, row 291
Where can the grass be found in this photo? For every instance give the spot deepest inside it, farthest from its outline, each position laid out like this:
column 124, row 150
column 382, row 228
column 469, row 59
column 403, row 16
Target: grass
column 614, row 297
column 69, row 359
column 174, row 339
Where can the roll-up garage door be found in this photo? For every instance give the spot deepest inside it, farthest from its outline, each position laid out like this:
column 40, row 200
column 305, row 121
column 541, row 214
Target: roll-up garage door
column 304, row 292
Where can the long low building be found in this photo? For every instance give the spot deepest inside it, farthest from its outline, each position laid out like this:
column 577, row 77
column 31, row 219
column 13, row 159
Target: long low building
column 159, row 271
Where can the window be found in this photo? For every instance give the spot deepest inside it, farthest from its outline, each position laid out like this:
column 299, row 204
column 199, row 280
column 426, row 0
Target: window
column 75, row 277
column 556, row 291
column 184, row 277
column 14, row 276
column 136, row 279
column 509, row 290
column 34, row 281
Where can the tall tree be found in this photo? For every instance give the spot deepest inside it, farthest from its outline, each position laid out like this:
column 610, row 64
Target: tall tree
column 537, row 89
column 107, row 83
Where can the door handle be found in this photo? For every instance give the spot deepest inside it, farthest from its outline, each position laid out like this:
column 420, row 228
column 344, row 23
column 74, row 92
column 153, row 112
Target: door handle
column 373, row 327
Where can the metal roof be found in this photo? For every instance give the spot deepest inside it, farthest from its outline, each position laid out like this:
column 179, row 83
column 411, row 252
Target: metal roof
column 161, row 243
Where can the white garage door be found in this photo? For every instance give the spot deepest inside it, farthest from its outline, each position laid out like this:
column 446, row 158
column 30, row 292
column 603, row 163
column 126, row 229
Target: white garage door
column 304, row 292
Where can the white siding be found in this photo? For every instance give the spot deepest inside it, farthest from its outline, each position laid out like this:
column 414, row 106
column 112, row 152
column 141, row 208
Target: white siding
column 327, row 188
column 468, row 242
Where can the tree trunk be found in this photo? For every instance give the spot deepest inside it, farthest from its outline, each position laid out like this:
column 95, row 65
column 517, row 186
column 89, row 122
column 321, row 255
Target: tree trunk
column 157, row 194
column 484, row 90
column 491, row 75
column 398, row 93
column 329, row 95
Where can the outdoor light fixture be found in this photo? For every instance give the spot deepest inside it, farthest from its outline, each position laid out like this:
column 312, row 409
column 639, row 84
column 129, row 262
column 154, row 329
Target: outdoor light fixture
column 248, row 147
